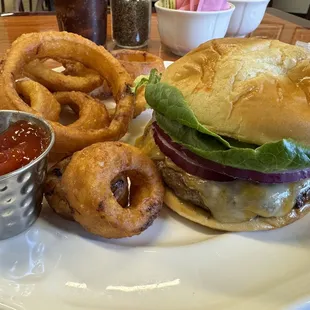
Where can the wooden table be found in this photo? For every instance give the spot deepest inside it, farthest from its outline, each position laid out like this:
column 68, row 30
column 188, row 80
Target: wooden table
column 284, row 27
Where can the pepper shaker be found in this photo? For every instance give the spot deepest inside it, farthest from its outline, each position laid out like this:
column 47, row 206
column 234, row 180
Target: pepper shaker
column 131, row 22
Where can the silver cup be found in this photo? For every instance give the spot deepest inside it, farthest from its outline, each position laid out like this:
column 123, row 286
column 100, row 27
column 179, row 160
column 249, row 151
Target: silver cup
column 21, row 191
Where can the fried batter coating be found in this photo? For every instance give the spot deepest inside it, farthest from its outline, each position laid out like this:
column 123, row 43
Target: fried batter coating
column 76, row 77
column 87, row 183
column 56, row 195
column 54, row 192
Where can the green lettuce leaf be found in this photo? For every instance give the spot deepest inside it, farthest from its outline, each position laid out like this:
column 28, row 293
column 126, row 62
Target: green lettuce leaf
column 170, row 102
column 279, row 156
column 176, row 118
column 153, row 78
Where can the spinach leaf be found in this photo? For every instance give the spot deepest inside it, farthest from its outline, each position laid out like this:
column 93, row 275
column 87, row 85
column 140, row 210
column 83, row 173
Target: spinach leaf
column 170, row 102
column 277, row 156
column 153, row 78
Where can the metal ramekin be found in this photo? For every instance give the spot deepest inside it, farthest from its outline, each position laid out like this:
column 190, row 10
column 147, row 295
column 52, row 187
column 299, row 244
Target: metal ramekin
column 21, row 191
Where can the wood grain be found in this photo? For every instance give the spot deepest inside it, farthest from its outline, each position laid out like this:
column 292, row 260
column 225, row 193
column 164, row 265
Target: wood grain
column 272, row 27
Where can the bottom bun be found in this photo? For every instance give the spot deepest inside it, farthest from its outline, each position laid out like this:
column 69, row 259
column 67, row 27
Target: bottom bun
column 203, row 217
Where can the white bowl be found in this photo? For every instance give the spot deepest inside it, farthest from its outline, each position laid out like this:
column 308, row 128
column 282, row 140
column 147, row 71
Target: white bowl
column 183, row 31
column 246, row 17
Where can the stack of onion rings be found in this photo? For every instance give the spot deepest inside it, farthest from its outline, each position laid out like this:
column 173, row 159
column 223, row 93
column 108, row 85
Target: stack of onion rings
column 73, row 48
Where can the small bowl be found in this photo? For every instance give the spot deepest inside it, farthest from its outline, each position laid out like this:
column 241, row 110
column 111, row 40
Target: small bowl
column 246, row 17
column 21, row 191
column 182, row 31
column 138, row 63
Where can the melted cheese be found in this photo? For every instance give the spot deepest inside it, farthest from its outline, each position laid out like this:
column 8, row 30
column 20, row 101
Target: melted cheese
column 239, row 201
column 148, row 146
column 235, row 201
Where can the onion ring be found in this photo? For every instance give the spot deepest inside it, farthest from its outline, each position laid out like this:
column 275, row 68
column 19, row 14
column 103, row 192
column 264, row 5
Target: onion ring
column 56, row 196
column 74, row 48
column 87, row 183
column 140, row 102
column 77, row 69
column 76, row 77
column 39, row 98
column 92, row 113
column 54, row 192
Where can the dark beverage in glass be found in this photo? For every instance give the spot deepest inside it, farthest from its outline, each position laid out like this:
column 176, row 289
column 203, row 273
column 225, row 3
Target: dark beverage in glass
column 87, row 18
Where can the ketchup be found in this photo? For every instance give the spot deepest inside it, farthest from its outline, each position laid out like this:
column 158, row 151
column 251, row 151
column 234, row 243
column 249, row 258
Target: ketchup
column 21, row 143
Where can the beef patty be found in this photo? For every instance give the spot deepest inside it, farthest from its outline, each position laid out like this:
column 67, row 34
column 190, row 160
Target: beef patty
column 175, row 180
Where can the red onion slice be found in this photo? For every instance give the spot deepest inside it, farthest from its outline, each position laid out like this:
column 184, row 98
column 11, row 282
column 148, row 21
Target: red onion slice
column 209, row 170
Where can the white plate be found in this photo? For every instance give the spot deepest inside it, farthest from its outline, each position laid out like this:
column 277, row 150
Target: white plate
column 174, row 264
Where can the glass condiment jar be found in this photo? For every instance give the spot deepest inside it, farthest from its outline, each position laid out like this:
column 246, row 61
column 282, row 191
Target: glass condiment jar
column 131, row 22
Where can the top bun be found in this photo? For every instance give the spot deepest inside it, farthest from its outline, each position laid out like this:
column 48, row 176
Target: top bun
column 252, row 90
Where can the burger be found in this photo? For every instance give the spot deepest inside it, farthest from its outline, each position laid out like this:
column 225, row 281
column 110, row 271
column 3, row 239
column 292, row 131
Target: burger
column 230, row 134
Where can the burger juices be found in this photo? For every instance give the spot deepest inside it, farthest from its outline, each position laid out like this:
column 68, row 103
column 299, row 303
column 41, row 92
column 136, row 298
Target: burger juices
column 230, row 133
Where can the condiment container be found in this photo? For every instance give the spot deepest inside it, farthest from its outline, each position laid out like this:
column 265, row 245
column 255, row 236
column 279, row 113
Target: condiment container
column 182, row 31
column 246, row 17
column 21, row 191
column 87, row 18
column 131, row 22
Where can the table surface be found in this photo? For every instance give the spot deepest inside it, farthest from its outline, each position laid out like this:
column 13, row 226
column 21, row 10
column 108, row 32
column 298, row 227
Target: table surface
column 13, row 25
